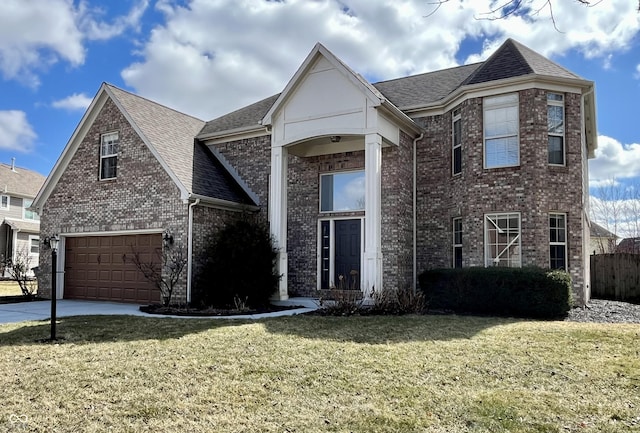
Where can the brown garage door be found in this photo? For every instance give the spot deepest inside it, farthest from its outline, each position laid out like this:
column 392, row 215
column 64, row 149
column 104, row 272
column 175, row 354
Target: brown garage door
column 100, row 268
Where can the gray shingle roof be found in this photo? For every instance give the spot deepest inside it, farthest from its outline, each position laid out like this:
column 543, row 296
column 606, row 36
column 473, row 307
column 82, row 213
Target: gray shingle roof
column 171, row 134
column 512, row 59
column 20, row 182
column 597, row 231
column 23, row 226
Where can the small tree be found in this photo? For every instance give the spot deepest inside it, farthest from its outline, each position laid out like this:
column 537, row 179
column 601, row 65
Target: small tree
column 163, row 270
column 20, row 271
column 239, row 267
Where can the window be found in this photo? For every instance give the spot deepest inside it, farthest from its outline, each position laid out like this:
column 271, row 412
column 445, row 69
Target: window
column 29, row 214
column 456, row 156
column 457, row 242
column 108, row 155
column 341, row 192
column 501, row 125
column 557, row 241
column 502, row 240
column 555, row 128
column 34, row 245
column 4, row 202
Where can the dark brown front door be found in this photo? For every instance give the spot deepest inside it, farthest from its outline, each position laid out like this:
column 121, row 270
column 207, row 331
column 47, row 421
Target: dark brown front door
column 100, row 268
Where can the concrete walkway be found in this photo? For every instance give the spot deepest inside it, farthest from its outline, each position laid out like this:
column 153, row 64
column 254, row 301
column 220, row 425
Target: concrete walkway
column 41, row 310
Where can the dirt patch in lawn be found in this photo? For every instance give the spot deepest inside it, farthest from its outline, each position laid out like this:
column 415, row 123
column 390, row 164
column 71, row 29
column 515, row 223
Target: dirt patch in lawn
column 209, row 311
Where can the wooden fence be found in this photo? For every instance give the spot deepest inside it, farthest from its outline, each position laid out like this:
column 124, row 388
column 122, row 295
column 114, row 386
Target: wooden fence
column 615, row 276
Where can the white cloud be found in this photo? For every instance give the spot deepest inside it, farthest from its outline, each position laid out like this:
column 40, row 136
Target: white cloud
column 15, row 131
column 614, row 160
column 35, row 34
column 77, row 101
column 637, row 74
column 219, row 56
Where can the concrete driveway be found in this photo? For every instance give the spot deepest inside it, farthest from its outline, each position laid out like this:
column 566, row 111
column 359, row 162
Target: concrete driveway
column 41, row 310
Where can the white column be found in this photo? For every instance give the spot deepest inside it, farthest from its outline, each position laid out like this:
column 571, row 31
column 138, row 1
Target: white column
column 278, row 214
column 373, row 214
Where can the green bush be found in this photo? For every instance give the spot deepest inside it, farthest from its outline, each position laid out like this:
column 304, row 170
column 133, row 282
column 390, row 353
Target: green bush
column 518, row 292
column 239, row 267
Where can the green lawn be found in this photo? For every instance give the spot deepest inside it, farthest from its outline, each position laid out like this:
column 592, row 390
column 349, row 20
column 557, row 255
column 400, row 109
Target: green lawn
column 317, row 374
column 9, row 288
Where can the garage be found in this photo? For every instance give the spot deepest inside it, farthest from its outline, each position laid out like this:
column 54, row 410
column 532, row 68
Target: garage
column 101, row 268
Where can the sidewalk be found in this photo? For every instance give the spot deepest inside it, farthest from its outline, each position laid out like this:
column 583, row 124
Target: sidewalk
column 41, row 310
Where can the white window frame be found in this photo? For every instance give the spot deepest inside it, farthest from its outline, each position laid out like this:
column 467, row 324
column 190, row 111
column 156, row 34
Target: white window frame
column 456, row 117
column 2, row 199
column 334, row 173
column 26, row 203
column 491, row 223
column 556, row 242
column 456, row 245
column 31, row 239
column 104, row 156
column 510, row 105
column 557, row 103
column 332, row 249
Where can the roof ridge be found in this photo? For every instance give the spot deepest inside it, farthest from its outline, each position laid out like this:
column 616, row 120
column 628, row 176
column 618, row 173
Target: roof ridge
column 152, row 101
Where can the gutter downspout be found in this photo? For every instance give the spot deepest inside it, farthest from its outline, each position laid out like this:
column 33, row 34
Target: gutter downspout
column 415, row 212
column 190, row 249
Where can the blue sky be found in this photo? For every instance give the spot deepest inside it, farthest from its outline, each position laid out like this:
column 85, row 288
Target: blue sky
column 206, row 57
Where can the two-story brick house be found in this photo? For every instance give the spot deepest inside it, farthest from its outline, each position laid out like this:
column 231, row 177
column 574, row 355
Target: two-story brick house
column 365, row 185
column 20, row 225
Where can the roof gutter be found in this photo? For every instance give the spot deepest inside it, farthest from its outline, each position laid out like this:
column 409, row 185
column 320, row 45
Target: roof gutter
column 224, row 204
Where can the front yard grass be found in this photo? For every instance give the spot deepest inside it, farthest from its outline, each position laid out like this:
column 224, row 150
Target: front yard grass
column 312, row 373
column 9, row 288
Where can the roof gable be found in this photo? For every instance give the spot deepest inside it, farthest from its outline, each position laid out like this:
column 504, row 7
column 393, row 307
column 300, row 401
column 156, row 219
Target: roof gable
column 513, row 59
column 169, row 135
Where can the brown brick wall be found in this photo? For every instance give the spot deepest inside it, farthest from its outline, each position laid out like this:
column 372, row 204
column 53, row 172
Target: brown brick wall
column 142, row 197
column 534, row 188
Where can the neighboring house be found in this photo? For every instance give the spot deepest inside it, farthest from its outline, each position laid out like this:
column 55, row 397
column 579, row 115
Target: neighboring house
column 20, row 226
column 628, row 245
column 602, row 240
column 365, row 185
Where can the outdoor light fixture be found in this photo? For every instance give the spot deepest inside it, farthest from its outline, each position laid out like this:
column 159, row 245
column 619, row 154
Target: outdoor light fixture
column 167, row 238
column 53, row 243
column 335, row 138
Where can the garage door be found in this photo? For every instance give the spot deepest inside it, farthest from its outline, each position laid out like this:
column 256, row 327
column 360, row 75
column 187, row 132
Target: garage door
column 100, row 268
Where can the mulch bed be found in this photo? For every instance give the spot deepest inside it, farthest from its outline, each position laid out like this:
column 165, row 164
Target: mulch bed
column 19, row 298
column 204, row 312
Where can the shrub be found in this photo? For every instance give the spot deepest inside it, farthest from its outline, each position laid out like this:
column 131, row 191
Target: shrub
column 398, row 302
column 239, row 267
column 519, row 292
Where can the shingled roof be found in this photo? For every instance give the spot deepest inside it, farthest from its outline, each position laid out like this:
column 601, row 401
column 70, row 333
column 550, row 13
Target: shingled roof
column 20, row 181
column 171, row 133
column 512, row 59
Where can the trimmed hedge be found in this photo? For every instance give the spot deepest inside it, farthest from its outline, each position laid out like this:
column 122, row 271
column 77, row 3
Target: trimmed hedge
column 517, row 292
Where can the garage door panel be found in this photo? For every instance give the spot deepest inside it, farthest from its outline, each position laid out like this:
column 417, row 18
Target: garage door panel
column 101, row 267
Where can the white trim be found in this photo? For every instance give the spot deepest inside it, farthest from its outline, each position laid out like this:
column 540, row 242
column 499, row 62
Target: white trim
column 487, row 105
column 332, row 248
column 111, row 233
column 108, row 155
column 8, row 206
column 333, row 173
column 560, row 104
column 518, row 238
column 32, row 238
column 456, row 116
column 566, row 236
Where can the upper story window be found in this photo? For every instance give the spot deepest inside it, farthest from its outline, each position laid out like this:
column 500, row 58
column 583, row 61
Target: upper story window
column 34, row 245
column 501, row 131
column 29, row 214
column 456, row 155
column 340, row 192
column 555, row 127
column 4, row 202
column 108, row 155
column 502, row 240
